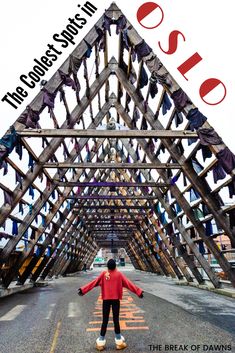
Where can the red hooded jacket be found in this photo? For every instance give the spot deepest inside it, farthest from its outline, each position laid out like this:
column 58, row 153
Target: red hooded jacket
column 112, row 283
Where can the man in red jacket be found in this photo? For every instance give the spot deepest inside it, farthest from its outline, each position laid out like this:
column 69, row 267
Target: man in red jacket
column 112, row 283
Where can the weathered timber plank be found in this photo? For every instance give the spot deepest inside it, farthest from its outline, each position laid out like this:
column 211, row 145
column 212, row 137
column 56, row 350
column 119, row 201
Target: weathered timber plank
column 91, row 133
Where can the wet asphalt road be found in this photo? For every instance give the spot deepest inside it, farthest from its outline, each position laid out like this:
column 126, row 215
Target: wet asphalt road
column 55, row 319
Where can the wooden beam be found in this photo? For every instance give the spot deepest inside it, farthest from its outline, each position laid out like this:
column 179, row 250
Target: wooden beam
column 113, row 165
column 49, row 217
column 109, row 215
column 111, row 225
column 48, row 152
column 126, row 223
column 112, row 207
column 109, row 184
column 200, row 185
column 113, row 242
column 112, row 197
column 189, row 212
column 110, row 230
column 116, row 243
column 91, row 133
column 124, row 226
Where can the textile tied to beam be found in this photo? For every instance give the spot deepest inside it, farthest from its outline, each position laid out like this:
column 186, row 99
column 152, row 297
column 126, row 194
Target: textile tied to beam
column 7, row 198
column 9, row 140
column 121, row 23
column 30, row 118
column 202, row 249
column 4, row 165
column 7, row 144
column 196, row 119
column 226, row 159
column 209, row 137
column 66, row 79
column 143, row 78
column 14, row 227
column 48, row 98
column 232, row 218
column 206, row 152
column 179, row 119
column 218, row 173
column 231, row 188
column 180, row 99
column 89, row 50
column 153, row 89
column 4, row 236
column 166, row 104
column 196, row 166
column 209, row 228
column 142, row 49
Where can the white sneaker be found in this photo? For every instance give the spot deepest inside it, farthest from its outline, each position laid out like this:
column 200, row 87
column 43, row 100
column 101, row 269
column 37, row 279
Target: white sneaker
column 120, row 343
column 100, row 344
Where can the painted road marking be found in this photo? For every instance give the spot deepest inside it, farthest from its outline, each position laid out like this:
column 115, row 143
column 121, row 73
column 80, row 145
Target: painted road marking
column 55, row 338
column 73, row 310
column 130, row 318
column 13, row 313
column 50, row 312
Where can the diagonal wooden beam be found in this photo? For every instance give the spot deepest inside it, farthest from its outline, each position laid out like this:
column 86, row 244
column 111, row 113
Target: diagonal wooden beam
column 199, row 184
column 54, row 145
column 147, row 231
column 183, row 204
column 165, row 261
column 46, row 194
column 152, row 261
column 167, row 207
column 184, row 233
column 55, row 261
column 55, row 82
column 49, row 217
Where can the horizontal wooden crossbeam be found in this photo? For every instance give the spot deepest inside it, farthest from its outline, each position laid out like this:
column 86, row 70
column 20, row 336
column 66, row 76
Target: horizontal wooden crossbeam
column 103, row 207
column 111, row 226
column 115, row 243
column 122, row 222
column 113, row 236
column 110, row 229
column 109, row 184
column 111, row 197
column 91, row 133
column 107, row 216
column 113, row 165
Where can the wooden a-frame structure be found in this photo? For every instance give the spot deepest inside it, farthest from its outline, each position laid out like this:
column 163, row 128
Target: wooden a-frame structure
column 122, row 168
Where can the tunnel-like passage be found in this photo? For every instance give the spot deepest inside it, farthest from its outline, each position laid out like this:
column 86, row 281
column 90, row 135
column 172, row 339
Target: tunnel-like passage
column 122, row 160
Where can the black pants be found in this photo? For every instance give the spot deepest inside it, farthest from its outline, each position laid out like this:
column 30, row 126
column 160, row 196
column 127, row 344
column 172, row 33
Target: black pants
column 115, row 303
